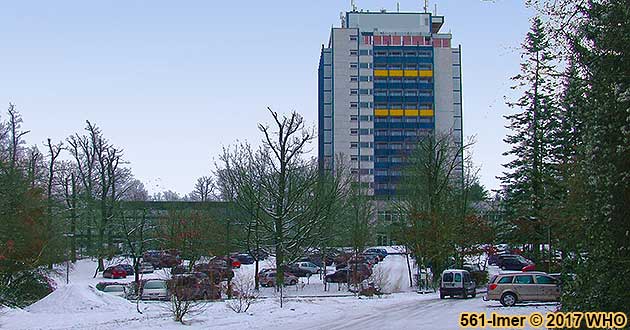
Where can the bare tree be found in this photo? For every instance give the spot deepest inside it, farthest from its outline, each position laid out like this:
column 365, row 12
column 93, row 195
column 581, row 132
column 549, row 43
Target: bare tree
column 279, row 189
column 15, row 134
column 204, row 188
column 245, row 293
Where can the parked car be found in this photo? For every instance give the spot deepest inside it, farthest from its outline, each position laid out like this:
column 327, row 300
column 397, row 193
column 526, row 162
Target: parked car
column 269, row 279
column 262, row 272
column 162, row 259
column 307, row 267
column 381, row 252
column 224, row 260
column 154, row 290
column 514, row 262
column 511, row 288
column 457, row 282
column 362, row 266
column 244, row 259
column 153, row 257
column 100, row 286
column 127, row 267
column 145, row 267
column 193, row 286
column 179, row 269
column 114, row 272
column 260, row 254
column 215, row 272
column 345, row 275
column 372, row 259
column 116, row 290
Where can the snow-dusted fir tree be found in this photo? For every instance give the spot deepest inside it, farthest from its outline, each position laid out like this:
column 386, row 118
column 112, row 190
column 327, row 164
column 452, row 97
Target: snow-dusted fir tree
column 602, row 197
column 532, row 170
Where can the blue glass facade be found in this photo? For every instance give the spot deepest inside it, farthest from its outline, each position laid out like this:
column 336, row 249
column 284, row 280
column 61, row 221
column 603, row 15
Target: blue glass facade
column 395, row 136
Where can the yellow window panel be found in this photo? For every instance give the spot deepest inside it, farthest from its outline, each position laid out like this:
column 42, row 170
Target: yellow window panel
column 381, row 112
column 380, row 73
column 396, row 112
column 411, row 73
column 426, row 113
column 411, row 113
column 395, row 73
column 425, row 73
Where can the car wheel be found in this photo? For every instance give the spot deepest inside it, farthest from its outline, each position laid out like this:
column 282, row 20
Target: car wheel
column 293, row 282
column 464, row 293
column 442, row 296
column 508, row 299
column 474, row 293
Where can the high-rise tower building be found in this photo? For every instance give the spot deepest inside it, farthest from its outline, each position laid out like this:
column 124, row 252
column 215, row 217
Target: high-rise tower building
column 386, row 80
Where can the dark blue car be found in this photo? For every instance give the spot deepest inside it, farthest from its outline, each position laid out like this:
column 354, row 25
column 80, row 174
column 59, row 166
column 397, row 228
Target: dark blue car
column 127, row 267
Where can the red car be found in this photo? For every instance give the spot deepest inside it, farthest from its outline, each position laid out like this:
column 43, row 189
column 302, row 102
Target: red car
column 114, row 272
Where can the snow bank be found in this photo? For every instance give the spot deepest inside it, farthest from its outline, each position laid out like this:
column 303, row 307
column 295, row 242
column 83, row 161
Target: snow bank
column 77, row 298
column 393, row 274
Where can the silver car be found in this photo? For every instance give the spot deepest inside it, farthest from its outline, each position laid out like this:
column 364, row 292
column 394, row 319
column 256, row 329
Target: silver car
column 510, row 288
column 116, row 290
column 308, row 267
column 154, row 290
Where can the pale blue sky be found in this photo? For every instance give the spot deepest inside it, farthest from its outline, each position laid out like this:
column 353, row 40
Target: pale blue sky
column 173, row 81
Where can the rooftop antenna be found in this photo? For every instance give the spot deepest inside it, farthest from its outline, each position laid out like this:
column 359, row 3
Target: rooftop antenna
column 435, row 11
column 398, row 7
column 353, row 5
column 426, row 6
column 342, row 17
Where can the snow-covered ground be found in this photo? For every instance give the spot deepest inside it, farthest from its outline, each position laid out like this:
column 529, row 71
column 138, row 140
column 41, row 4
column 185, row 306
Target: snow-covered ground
column 79, row 305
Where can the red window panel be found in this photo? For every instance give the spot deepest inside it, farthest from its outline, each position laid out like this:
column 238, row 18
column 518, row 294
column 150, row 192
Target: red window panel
column 406, row 40
column 396, row 40
column 378, row 40
column 417, row 40
column 387, row 40
column 437, row 42
column 446, row 43
column 366, row 40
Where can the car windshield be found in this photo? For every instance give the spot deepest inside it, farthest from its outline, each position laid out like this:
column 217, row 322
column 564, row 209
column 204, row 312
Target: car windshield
column 458, row 277
column 522, row 259
column 448, row 277
column 155, row 285
column 114, row 288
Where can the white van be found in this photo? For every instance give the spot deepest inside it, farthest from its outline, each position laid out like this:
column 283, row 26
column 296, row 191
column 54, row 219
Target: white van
column 457, row 282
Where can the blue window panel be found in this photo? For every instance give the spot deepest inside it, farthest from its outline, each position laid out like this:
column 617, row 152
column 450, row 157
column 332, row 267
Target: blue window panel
column 381, row 192
column 395, row 99
column 396, row 125
column 380, row 99
column 394, row 179
column 381, row 179
column 427, row 99
column 381, row 165
column 396, row 138
column 411, row 99
column 382, row 85
column 383, row 152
